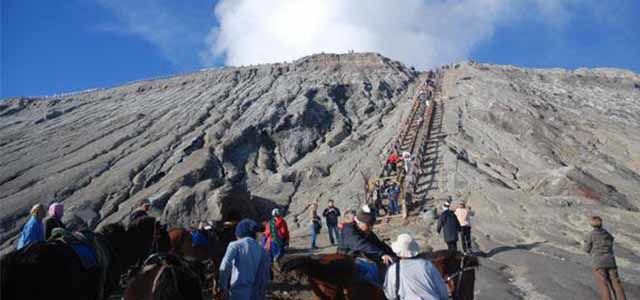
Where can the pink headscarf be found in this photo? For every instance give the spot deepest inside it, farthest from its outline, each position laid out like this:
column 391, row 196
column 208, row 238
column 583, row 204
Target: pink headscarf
column 56, row 209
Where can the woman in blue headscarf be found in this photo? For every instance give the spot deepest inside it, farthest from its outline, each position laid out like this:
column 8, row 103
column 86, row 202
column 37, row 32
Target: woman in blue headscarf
column 245, row 268
column 33, row 230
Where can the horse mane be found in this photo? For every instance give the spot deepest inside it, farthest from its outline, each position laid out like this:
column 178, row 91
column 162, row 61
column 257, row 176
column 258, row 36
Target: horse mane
column 328, row 268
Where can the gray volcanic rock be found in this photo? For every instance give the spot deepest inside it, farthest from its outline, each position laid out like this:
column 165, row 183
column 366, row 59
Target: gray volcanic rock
column 203, row 146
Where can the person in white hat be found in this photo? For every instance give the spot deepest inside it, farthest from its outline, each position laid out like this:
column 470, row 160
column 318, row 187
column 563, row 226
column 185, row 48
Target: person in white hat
column 412, row 277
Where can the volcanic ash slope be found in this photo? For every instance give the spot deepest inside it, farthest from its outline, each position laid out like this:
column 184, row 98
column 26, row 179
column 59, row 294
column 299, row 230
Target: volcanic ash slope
column 204, row 146
column 542, row 150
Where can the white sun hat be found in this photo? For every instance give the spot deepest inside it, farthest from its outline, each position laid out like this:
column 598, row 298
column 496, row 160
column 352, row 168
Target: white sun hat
column 405, row 246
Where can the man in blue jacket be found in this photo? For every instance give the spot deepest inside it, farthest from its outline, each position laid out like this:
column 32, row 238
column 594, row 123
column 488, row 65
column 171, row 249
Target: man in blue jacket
column 358, row 238
column 244, row 270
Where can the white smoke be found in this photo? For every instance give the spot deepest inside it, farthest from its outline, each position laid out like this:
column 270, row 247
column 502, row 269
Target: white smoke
column 421, row 33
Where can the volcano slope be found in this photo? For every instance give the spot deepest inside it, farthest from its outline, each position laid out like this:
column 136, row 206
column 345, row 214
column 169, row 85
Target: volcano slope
column 203, row 146
column 541, row 151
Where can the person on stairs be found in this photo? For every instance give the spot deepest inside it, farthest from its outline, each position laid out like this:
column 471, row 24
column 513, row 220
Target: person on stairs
column 393, row 193
column 464, row 215
column 599, row 243
column 412, row 277
column 331, row 215
column 392, row 162
column 449, row 226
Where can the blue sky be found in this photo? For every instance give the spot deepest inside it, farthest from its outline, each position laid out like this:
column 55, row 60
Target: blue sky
column 50, row 47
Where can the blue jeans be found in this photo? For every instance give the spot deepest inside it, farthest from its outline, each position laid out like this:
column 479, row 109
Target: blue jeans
column 393, row 206
column 314, row 235
column 333, row 231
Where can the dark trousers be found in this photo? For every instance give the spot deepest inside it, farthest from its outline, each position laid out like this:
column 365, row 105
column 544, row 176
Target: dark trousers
column 465, row 236
column 608, row 283
column 452, row 246
column 333, row 231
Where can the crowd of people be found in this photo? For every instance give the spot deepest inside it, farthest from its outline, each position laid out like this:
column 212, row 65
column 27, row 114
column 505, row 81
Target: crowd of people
column 245, row 270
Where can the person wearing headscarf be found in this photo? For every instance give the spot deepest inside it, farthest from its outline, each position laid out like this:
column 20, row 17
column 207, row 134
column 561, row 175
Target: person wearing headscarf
column 277, row 234
column 33, row 230
column 245, row 267
column 412, row 277
column 54, row 220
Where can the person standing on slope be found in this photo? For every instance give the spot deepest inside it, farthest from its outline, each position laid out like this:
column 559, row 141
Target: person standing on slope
column 315, row 225
column 599, row 243
column 277, row 234
column 331, row 215
column 464, row 215
column 245, row 267
column 449, row 225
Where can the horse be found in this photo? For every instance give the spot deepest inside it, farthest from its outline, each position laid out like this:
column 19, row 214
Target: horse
column 164, row 276
column 54, row 270
column 335, row 276
column 218, row 235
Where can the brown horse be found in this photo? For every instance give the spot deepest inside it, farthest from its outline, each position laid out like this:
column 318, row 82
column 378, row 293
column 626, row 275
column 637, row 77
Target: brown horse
column 218, row 234
column 334, row 276
column 164, row 277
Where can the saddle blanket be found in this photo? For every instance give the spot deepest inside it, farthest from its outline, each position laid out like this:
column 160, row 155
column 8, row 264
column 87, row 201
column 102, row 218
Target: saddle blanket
column 199, row 239
column 86, row 254
column 368, row 271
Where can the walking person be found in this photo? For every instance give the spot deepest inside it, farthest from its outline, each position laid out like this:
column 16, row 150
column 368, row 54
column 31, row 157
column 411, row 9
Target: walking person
column 315, row 225
column 392, row 162
column 245, row 267
column 54, row 220
column 464, row 215
column 412, row 277
column 277, row 234
column 33, row 230
column 331, row 215
column 393, row 193
column 599, row 243
column 449, row 226
column 406, row 162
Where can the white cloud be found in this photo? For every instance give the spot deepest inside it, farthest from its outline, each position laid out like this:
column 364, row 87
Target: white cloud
column 177, row 33
column 422, row 33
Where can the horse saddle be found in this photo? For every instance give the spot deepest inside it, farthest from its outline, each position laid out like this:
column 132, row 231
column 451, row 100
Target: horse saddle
column 199, row 239
column 368, row 271
column 82, row 243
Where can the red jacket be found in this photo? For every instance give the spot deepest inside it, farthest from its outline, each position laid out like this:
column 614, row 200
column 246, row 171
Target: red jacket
column 281, row 226
column 393, row 158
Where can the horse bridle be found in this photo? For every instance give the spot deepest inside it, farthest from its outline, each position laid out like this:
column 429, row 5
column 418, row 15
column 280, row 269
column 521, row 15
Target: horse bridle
column 459, row 273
